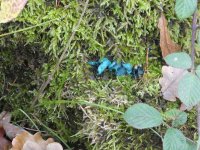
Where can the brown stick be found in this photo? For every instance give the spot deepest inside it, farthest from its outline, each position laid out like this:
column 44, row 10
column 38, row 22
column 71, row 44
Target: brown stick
column 147, row 60
column 198, row 118
column 194, row 31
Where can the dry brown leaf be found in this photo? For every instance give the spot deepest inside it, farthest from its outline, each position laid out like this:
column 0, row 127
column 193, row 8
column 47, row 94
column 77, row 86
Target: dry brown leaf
column 10, row 9
column 54, row 146
column 29, row 145
column 27, row 141
column 169, row 82
column 10, row 130
column 166, row 44
column 22, row 140
column 5, row 117
column 4, row 143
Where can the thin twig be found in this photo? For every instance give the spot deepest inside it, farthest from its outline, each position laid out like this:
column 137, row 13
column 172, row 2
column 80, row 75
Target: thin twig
column 30, row 119
column 193, row 52
column 147, row 60
column 194, row 31
column 85, row 112
column 29, row 129
column 28, row 28
column 156, row 133
column 64, row 54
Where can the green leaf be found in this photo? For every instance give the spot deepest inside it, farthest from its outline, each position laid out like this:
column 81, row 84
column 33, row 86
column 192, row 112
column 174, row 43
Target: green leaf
column 178, row 117
column 198, row 71
column 142, row 116
column 188, row 90
column 179, row 60
column 174, row 140
column 190, row 146
column 185, row 8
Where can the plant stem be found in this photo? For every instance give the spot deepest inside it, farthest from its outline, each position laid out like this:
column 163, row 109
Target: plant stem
column 198, row 126
column 30, row 119
column 79, row 102
column 28, row 28
column 194, row 31
column 155, row 132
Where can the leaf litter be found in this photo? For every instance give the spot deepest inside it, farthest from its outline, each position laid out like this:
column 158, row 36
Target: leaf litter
column 171, row 76
column 166, row 44
column 16, row 138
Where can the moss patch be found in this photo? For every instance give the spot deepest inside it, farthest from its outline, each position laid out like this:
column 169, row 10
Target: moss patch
column 121, row 29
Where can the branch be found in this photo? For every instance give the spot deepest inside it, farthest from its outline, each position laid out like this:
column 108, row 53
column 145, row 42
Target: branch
column 63, row 55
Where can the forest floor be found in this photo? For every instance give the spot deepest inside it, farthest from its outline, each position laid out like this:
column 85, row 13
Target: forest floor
column 78, row 108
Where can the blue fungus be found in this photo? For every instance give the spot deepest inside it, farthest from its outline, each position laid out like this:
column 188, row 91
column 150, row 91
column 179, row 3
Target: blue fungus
column 114, row 66
column 119, row 69
column 128, row 68
column 140, row 70
column 135, row 72
column 104, row 63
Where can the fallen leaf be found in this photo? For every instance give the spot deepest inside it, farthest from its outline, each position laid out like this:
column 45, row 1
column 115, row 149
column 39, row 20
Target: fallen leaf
column 4, row 143
column 29, row 145
column 166, row 44
column 27, row 141
column 169, row 82
column 183, row 107
column 5, row 117
column 10, row 130
column 22, row 140
column 10, row 9
column 54, row 146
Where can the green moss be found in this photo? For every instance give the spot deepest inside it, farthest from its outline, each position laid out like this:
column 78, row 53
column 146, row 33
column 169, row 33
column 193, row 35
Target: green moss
column 120, row 29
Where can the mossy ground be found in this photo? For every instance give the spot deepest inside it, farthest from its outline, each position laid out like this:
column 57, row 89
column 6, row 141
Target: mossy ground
column 123, row 30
